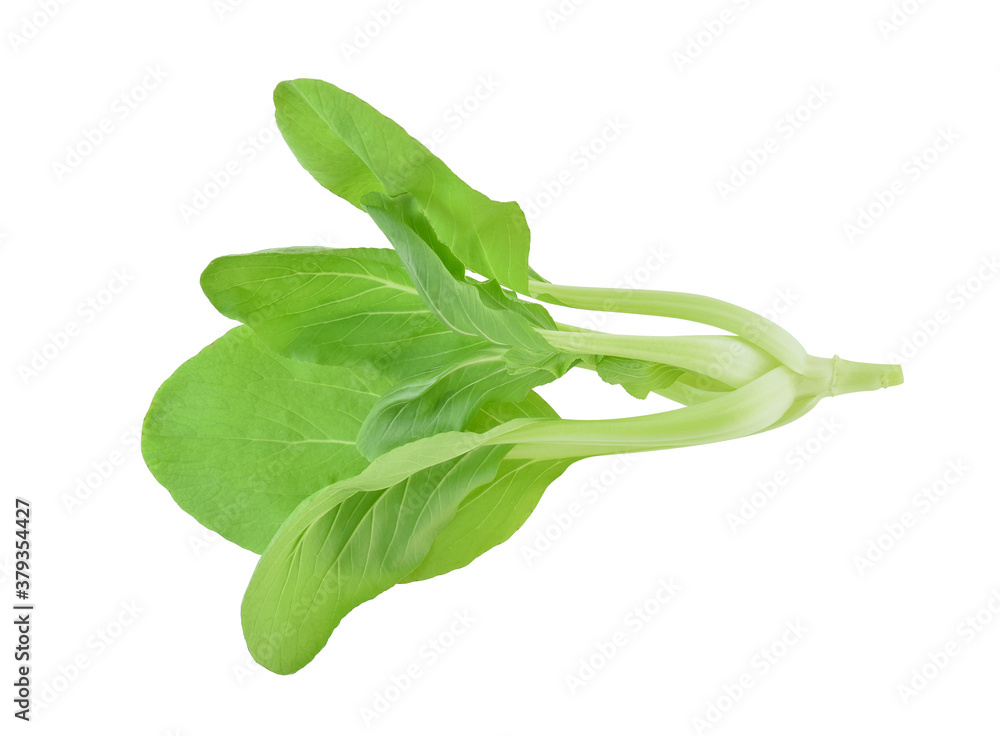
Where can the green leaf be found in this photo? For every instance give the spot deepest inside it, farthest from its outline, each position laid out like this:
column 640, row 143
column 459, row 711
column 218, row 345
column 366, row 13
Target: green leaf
column 469, row 307
column 492, row 513
column 444, row 400
column 637, row 377
column 240, row 435
column 350, row 307
column 352, row 541
column 352, row 149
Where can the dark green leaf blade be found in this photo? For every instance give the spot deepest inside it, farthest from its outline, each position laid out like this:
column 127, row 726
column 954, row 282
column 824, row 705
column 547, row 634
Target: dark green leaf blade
column 347, row 544
column 492, row 513
column 352, row 149
column 445, row 400
column 240, row 435
column 469, row 307
column 352, row 307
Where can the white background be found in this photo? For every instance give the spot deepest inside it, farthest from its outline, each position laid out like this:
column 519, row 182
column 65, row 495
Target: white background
column 778, row 243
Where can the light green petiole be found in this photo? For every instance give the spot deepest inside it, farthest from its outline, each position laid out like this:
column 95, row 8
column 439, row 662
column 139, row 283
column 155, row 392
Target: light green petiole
column 771, row 400
column 733, row 361
column 772, row 379
column 738, row 413
column 763, row 333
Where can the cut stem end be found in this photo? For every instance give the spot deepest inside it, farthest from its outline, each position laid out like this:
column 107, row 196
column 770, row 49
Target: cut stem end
column 849, row 377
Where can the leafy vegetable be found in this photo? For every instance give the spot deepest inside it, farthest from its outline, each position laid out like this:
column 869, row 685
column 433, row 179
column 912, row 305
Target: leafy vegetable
column 373, row 421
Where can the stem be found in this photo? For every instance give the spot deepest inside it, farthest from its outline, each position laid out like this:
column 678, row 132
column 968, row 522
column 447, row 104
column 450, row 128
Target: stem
column 732, row 360
column 744, row 411
column 776, row 398
column 713, row 312
column 836, row 376
column 849, row 376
